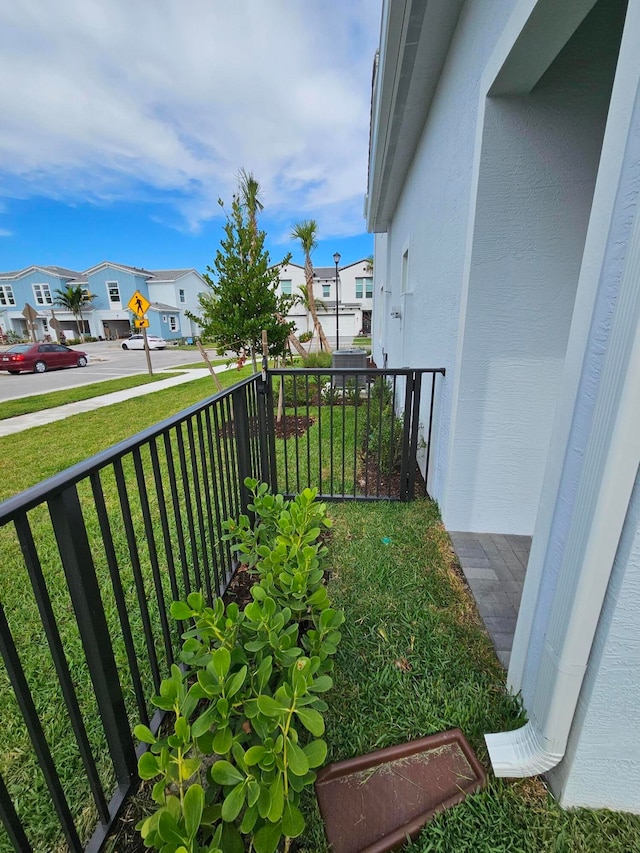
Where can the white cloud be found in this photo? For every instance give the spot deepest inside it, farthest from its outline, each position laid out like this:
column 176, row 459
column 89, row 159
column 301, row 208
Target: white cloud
column 169, row 98
column 5, row 233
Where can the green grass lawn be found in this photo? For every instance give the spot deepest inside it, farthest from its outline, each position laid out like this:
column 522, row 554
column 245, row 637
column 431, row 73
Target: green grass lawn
column 53, row 399
column 23, row 463
column 414, row 660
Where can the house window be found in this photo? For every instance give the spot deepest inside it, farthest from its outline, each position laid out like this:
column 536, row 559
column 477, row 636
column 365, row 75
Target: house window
column 6, row 295
column 183, row 298
column 404, row 281
column 173, row 323
column 364, row 288
column 113, row 289
column 285, row 286
column 326, row 291
column 42, row 293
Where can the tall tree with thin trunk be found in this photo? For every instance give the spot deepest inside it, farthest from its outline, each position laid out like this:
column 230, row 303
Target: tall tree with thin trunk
column 305, row 232
column 250, row 198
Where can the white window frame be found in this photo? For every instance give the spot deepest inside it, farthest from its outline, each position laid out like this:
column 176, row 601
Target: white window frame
column 7, row 297
column 44, row 288
column 164, row 318
column 181, row 295
column 365, row 283
column 326, row 291
column 113, row 303
column 286, row 291
column 173, row 323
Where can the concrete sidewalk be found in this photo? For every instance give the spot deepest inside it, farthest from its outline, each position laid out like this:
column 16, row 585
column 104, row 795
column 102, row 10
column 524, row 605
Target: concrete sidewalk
column 47, row 416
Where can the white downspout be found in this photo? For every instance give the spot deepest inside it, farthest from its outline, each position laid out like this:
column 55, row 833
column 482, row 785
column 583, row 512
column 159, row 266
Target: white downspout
column 611, row 462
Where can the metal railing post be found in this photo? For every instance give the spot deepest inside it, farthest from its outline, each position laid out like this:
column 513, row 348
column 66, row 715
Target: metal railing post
column 79, row 569
column 413, row 439
column 11, row 821
column 243, row 447
column 406, row 432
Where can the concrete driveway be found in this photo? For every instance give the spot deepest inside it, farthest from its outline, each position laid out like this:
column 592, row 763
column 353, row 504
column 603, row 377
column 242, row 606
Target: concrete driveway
column 107, row 360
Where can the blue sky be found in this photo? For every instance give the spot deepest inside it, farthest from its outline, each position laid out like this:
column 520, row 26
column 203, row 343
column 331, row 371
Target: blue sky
column 121, row 124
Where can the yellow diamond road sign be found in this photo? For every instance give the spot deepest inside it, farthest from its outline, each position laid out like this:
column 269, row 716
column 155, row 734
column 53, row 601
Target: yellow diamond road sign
column 139, row 304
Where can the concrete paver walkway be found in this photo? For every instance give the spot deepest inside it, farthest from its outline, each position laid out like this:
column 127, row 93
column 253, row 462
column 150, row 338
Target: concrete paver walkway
column 47, row 416
column 495, row 566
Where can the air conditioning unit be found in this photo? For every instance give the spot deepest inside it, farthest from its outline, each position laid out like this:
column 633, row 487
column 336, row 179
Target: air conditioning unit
column 353, row 358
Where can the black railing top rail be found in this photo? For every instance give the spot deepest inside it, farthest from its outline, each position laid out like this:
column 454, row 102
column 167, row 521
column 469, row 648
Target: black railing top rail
column 352, row 371
column 40, row 492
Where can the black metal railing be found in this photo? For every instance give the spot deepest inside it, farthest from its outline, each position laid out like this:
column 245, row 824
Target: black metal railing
column 355, row 434
column 93, row 557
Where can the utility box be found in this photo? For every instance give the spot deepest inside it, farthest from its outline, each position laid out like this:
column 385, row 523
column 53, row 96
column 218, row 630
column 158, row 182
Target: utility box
column 353, row 358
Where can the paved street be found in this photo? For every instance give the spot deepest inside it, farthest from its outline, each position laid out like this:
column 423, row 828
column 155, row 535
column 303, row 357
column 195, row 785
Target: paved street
column 107, row 360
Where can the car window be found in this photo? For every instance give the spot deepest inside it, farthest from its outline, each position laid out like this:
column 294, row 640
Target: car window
column 20, row 348
column 59, row 348
column 46, row 348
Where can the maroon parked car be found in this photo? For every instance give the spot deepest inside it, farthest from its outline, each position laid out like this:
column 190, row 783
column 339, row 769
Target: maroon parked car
column 40, row 357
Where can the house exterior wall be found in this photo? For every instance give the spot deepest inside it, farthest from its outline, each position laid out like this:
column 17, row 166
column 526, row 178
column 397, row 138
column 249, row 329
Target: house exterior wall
column 430, row 224
column 11, row 317
column 603, row 746
column 538, row 165
column 169, row 293
column 488, row 234
column 591, row 773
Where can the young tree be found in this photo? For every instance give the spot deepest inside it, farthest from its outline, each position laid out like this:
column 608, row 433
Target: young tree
column 305, row 232
column 74, row 299
column 243, row 298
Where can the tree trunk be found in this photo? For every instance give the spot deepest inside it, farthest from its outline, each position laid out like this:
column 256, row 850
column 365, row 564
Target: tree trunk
column 294, row 340
column 308, row 271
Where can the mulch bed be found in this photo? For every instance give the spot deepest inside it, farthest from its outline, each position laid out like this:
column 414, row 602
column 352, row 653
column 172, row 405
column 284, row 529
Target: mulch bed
column 374, row 482
column 291, row 425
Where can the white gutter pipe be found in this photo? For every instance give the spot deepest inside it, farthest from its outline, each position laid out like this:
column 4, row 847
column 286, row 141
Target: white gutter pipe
column 607, row 476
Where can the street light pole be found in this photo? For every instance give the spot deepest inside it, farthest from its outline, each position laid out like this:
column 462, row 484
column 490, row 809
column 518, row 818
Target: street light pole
column 336, row 260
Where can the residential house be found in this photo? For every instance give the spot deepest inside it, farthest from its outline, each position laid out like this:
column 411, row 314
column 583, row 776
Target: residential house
column 171, row 293
column 504, row 181
column 355, row 298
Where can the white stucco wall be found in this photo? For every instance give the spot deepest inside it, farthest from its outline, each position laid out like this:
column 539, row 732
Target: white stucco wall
column 601, row 766
column 604, row 748
column 539, row 161
column 431, row 222
column 492, row 220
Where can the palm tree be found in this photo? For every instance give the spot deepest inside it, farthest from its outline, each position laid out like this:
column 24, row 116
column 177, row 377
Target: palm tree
column 305, row 232
column 74, row 299
column 303, row 299
column 250, row 197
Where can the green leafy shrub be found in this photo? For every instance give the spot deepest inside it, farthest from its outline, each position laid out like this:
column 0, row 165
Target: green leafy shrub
column 381, row 433
column 247, row 711
column 305, row 336
column 319, row 360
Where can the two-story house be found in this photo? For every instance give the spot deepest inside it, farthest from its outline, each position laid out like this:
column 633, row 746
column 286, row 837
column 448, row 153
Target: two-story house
column 171, row 293
column 355, row 298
